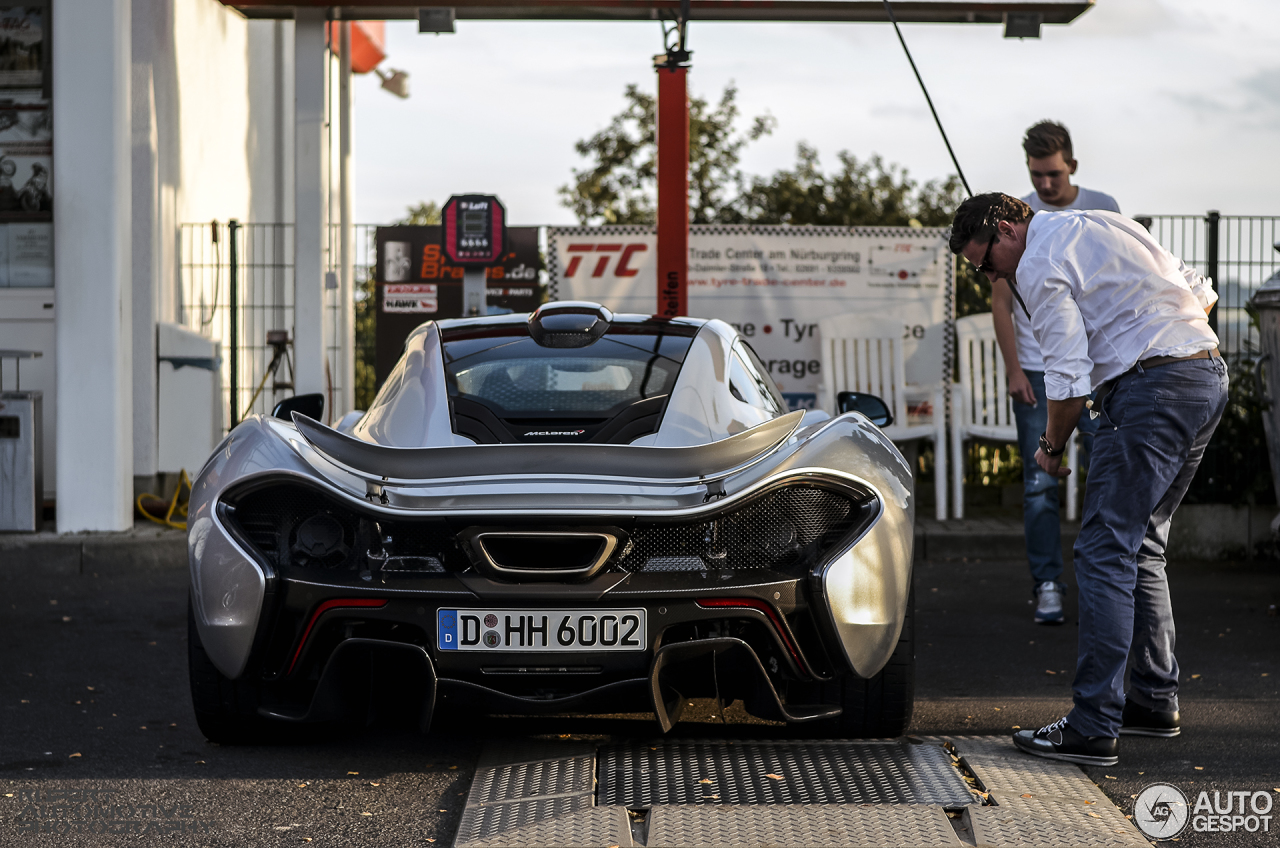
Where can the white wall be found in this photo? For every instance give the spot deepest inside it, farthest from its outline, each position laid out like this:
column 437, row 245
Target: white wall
column 212, row 127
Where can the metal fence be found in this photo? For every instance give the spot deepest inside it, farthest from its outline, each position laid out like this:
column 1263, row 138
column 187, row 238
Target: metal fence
column 1237, row 251
column 246, row 270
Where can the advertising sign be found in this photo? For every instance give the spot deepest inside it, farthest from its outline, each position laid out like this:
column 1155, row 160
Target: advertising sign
column 22, row 46
column 416, row 282
column 411, row 297
column 775, row 284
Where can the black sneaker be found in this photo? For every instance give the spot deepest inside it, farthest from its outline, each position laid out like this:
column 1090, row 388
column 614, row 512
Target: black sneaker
column 1061, row 741
column 1140, row 721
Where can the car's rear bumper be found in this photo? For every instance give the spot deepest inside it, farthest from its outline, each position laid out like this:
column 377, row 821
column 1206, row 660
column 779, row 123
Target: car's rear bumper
column 764, row 636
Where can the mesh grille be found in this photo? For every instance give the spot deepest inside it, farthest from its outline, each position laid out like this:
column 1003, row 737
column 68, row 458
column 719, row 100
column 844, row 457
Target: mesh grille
column 788, row 528
column 270, row 519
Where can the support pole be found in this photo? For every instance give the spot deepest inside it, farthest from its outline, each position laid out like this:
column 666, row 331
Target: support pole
column 346, row 232
column 672, row 137
column 474, row 299
column 233, row 277
column 309, row 201
column 673, row 188
column 1212, row 221
column 93, row 266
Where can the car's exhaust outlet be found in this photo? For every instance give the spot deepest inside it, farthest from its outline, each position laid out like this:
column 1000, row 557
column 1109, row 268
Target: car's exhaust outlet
column 344, row 688
column 728, row 659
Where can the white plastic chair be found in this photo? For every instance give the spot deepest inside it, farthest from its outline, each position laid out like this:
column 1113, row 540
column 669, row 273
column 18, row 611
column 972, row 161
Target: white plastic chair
column 857, row 356
column 982, row 409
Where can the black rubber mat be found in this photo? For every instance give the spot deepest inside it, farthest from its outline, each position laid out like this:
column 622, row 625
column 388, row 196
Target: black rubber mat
column 639, row 774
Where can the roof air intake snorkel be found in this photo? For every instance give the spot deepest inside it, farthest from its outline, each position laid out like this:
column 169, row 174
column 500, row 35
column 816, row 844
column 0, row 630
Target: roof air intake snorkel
column 569, row 323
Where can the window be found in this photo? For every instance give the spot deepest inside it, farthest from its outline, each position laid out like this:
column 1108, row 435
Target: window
column 749, row 381
column 526, row 377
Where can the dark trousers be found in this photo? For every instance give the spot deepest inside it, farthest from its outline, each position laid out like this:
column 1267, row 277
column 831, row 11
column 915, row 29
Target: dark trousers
column 1151, row 437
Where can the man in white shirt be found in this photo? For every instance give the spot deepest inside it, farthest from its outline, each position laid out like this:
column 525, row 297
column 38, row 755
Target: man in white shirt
column 1050, row 162
column 1111, row 308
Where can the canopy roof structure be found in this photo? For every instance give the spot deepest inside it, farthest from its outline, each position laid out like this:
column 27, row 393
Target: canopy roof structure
column 833, row 11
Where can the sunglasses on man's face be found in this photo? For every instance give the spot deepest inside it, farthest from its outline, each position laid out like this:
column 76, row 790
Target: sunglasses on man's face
column 986, row 267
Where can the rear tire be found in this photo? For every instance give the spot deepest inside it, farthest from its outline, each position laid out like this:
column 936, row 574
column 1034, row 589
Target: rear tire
column 226, row 710
column 878, row 707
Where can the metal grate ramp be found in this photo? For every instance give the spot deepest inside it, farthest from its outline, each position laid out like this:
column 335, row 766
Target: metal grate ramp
column 704, row 793
column 638, row 774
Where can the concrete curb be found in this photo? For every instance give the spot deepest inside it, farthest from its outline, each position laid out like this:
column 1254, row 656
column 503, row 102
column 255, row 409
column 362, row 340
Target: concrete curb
column 145, row 548
column 979, row 538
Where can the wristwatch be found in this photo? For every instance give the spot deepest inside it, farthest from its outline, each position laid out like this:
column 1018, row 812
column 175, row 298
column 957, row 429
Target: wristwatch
column 1048, row 448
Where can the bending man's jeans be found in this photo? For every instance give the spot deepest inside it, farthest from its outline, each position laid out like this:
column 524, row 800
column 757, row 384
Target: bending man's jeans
column 1152, row 435
column 1040, row 489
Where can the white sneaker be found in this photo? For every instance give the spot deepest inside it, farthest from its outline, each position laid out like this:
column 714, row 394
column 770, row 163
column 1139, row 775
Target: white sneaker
column 1049, row 602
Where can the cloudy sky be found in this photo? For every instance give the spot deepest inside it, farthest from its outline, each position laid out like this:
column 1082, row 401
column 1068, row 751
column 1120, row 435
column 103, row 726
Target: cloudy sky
column 1174, row 105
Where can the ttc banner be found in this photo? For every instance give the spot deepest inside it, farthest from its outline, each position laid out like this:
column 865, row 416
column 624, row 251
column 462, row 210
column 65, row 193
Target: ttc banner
column 775, row 284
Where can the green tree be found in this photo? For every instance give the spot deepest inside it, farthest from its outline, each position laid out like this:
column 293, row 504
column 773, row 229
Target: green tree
column 366, row 308
column 860, row 193
column 620, row 185
column 866, row 193
column 421, row 214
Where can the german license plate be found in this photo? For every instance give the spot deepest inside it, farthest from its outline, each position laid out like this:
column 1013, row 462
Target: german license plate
column 541, row 630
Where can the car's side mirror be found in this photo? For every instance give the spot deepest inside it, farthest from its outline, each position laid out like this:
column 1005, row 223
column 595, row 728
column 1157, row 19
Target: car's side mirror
column 311, row 406
column 869, row 405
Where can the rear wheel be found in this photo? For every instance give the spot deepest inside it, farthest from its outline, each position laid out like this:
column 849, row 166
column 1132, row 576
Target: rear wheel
column 226, row 710
column 879, row 706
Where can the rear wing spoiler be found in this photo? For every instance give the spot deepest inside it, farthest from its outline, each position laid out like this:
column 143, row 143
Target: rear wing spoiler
column 406, row 466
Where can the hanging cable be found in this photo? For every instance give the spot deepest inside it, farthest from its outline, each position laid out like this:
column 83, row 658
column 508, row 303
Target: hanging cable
column 888, row 8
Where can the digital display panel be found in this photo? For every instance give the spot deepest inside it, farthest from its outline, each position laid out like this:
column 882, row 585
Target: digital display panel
column 473, row 229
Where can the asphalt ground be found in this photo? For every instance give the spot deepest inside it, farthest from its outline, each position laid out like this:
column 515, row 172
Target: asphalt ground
column 94, row 709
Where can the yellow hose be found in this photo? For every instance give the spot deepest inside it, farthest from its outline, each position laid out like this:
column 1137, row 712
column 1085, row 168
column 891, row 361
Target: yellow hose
column 176, row 506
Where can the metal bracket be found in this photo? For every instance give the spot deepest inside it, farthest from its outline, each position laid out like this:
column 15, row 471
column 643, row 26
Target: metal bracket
column 674, row 30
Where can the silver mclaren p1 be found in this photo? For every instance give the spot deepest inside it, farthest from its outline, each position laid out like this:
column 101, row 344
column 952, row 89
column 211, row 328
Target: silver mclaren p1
column 568, row 511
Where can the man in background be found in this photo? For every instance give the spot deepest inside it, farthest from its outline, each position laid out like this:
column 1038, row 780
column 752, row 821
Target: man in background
column 1051, row 163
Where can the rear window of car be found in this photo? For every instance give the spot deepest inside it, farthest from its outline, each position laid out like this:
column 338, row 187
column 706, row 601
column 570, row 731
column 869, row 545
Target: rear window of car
column 522, row 376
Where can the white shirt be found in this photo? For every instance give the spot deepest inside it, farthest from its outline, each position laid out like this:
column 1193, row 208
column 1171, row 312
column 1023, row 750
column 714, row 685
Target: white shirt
column 1103, row 294
column 1029, row 356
